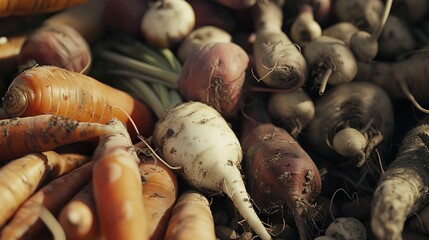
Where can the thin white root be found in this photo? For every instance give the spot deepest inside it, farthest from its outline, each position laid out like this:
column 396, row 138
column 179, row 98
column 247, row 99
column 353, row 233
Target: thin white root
column 52, row 224
column 325, row 80
column 403, row 85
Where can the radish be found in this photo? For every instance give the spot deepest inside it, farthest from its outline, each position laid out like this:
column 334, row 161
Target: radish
column 195, row 137
column 167, row 22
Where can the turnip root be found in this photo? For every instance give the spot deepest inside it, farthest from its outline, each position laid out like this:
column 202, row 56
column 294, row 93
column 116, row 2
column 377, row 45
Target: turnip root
column 199, row 37
column 304, row 28
column 346, row 228
column 291, row 111
column 330, row 61
column 365, row 14
column 402, row 189
column 167, row 22
column 281, row 173
column 278, row 61
column 58, row 45
column 341, row 30
column 215, row 75
column 350, row 121
column 183, row 137
column 404, row 79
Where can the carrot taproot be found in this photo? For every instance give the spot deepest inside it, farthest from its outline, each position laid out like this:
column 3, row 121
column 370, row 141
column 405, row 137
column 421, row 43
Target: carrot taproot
column 191, row 218
column 19, row 136
column 402, row 188
column 78, row 217
column 160, row 192
column 33, row 7
column 50, row 89
column 23, row 176
column 25, row 223
column 117, row 186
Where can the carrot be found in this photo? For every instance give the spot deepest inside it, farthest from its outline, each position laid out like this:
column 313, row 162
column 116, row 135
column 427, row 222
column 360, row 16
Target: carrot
column 278, row 62
column 402, row 189
column 79, row 218
column 117, row 187
column 23, row 176
column 402, row 79
column 25, row 224
column 160, row 192
column 49, row 89
column 280, row 173
column 32, row 7
column 195, row 138
column 19, row 136
column 191, row 218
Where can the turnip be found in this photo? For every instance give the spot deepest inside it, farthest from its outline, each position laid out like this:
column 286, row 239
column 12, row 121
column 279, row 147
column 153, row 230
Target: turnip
column 365, row 14
column 304, row 28
column 403, row 187
column 167, row 22
column 330, row 61
column 277, row 60
column 199, row 37
column 291, row 111
column 195, row 137
column 341, row 30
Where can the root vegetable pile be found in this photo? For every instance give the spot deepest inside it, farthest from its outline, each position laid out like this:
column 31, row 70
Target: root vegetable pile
column 214, row 119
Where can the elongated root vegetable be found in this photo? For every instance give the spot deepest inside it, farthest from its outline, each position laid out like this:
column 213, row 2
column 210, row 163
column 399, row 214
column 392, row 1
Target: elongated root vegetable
column 197, row 138
column 79, row 218
column 167, row 22
column 407, row 78
column 160, row 192
column 58, row 45
column 402, row 189
column 330, row 61
column 280, row 173
column 49, row 89
column 21, row 177
column 277, row 60
column 117, row 186
column 25, row 224
column 366, row 108
column 291, row 111
column 20, row 136
column 346, row 228
column 191, row 218
column 215, row 75
column 304, row 28
column 32, row 7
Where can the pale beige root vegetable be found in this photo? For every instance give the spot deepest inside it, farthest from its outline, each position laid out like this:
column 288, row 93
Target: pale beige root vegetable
column 341, row 30
column 195, row 137
column 366, row 108
column 363, row 44
column 395, row 40
column 277, row 60
column 346, row 228
column 167, row 22
column 191, row 218
column 365, row 14
column 200, row 37
column 292, row 111
column 330, row 61
column 402, row 189
column 404, row 79
column 86, row 18
column 304, row 28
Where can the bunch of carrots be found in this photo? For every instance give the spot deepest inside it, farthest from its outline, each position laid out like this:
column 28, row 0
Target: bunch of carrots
column 214, row 119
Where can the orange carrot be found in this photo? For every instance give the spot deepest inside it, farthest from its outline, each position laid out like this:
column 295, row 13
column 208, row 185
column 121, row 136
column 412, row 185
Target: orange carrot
column 117, row 187
column 25, row 224
column 22, row 177
column 49, row 89
column 79, row 218
column 20, row 136
column 32, row 7
column 160, row 192
column 191, row 218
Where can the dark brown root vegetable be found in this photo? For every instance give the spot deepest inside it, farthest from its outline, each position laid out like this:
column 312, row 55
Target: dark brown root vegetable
column 125, row 16
column 59, row 45
column 402, row 189
column 212, row 13
column 280, row 173
column 215, row 75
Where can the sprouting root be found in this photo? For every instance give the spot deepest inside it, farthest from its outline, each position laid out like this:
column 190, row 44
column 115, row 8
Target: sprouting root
column 218, row 93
